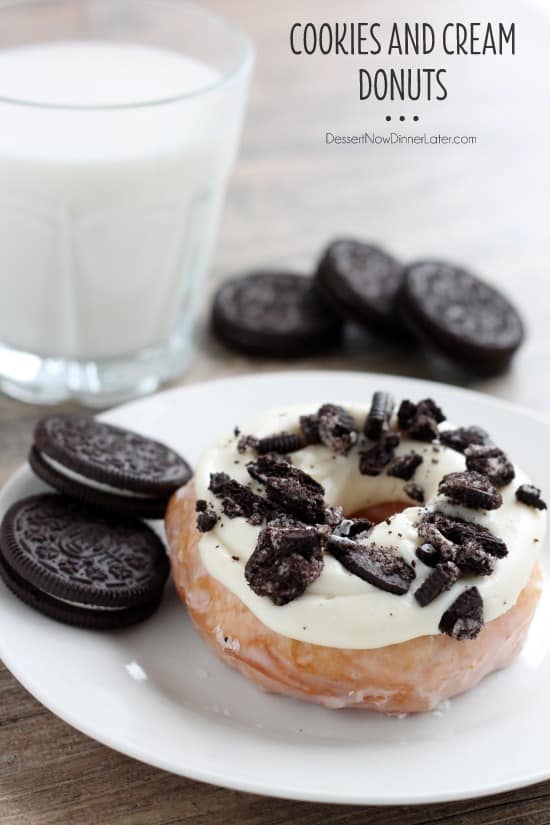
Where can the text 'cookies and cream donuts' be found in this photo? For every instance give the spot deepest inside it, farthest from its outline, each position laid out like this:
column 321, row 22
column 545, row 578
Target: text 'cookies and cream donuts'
column 359, row 554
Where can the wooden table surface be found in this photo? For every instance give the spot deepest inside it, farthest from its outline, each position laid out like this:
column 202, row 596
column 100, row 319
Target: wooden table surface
column 485, row 206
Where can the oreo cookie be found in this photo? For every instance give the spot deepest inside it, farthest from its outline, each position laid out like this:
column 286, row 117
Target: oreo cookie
column 360, row 282
column 491, row 462
column 460, row 316
column 379, row 417
column 463, row 620
column 409, row 412
column 289, row 489
column 79, row 567
column 207, row 518
column 237, row 500
column 337, row 428
column 276, row 314
column 473, row 560
column 428, row 554
column 468, row 554
column 531, row 495
column 297, row 494
column 464, row 437
column 309, row 426
column 288, row 557
column 458, row 531
column 414, row 491
column 376, row 565
column 353, row 528
column 442, row 578
column 373, row 460
column 280, row 443
column 470, row 489
column 404, row 466
column 420, row 421
column 106, row 467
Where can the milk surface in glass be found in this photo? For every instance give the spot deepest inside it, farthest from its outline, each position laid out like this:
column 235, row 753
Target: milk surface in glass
column 107, row 205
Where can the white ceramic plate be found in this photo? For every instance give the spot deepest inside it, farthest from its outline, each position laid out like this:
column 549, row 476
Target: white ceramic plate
column 157, row 693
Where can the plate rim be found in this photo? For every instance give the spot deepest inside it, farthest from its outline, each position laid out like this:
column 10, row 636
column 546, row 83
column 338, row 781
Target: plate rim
column 513, row 406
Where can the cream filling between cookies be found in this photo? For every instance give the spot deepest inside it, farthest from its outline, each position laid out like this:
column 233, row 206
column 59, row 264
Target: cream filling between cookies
column 88, row 482
column 87, row 606
column 339, row 609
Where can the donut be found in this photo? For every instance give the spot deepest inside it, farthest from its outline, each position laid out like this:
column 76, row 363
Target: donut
column 355, row 556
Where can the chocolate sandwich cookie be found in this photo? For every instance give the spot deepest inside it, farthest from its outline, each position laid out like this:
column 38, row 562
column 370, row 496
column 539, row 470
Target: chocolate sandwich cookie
column 274, row 314
column 107, row 467
column 360, row 282
column 79, row 567
column 460, row 316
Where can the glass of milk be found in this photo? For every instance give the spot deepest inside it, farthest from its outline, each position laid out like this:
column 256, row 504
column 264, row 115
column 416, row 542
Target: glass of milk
column 119, row 124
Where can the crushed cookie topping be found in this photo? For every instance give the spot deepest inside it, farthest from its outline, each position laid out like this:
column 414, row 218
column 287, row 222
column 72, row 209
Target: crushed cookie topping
column 373, row 460
column 378, row 420
column 288, row 557
column 420, row 421
column 404, row 466
column 491, row 462
column 531, row 495
column 298, row 528
column 464, row 620
column 207, row 518
column 337, row 428
column 464, row 437
column 470, row 489
column 379, row 566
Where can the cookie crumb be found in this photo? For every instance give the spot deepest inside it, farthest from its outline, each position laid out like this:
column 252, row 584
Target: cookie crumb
column 531, row 495
column 470, row 489
column 337, row 428
column 207, row 518
column 463, row 620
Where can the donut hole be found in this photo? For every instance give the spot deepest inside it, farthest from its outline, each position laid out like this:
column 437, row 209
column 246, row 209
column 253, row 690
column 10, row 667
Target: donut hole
column 380, row 512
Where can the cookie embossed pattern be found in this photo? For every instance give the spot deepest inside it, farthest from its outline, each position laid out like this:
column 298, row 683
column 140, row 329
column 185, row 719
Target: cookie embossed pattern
column 81, row 568
column 428, row 304
column 106, row 467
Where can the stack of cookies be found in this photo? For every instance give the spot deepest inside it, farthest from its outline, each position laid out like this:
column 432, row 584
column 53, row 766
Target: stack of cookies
column 82, row 555
column 441, row 306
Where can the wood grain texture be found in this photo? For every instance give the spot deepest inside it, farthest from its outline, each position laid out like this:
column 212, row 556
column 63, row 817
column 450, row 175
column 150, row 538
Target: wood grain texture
column 290, row 194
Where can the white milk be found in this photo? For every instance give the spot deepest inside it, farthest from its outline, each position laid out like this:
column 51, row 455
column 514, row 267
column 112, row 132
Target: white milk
column 106, row 215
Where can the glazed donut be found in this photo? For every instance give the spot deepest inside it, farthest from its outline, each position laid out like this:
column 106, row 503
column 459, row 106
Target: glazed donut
column 324, row 605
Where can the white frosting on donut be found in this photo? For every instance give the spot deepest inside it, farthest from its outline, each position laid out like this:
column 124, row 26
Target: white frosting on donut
column 339, row 609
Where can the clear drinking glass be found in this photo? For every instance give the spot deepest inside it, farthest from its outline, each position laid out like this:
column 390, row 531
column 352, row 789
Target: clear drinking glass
column 119, row 124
